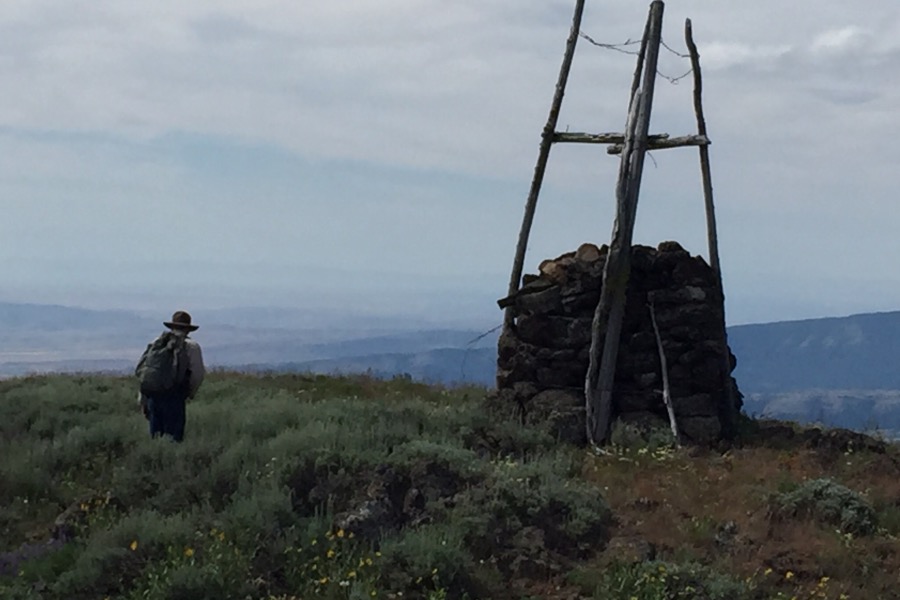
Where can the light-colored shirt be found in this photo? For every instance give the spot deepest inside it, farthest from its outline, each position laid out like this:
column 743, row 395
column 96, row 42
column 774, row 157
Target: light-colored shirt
column 195, row 364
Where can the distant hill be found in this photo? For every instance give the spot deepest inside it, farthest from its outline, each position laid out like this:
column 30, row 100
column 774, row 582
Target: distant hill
column 16, row 317
column 451, row 366
column 855, row 352
column 840, row 371
column 861, row 410
column 48, row 338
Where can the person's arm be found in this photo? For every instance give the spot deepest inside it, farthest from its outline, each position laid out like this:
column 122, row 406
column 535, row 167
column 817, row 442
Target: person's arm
column 196, row 368
column 142, row 403
column 137, row 369
column 142, row 400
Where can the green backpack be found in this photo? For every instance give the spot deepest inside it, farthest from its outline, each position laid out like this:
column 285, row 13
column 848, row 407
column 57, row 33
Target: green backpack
column 163, row 366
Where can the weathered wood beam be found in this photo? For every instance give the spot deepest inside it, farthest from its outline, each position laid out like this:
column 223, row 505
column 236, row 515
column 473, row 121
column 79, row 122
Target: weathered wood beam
column 662, row 144
column 610, row 312
column 599, row 138
column 729, row 413
column 543, row 155
column 705, row 170
column 664, row 368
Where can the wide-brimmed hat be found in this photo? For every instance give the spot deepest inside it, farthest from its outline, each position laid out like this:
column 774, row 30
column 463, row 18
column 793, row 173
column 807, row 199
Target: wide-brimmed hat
column 181, row 320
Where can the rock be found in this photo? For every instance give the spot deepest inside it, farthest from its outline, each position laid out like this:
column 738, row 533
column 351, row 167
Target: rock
column 683, row 295
column 701, row 430
column 542, row 302
column 556, row 270
column 698, row 405
column 588, row 253
column 561, row 412
column 549, row 347
column 671, row 247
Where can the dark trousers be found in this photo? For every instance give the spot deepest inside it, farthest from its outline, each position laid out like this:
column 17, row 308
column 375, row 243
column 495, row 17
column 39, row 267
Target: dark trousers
column 166, row 414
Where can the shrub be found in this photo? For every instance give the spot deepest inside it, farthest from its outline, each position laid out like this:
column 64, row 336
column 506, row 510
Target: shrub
column 314, row 561
column 538, row 495
column 828, row 502
column 657, row 580
column 431, row 559
column 628, row 437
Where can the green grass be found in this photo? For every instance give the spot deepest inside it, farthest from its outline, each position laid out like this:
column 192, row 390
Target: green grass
column 245, row 507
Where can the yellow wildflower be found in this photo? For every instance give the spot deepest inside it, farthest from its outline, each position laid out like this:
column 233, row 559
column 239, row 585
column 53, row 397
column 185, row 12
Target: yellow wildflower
column 133, row 545
column 324, row 580
column 767, row 571
column 789, row 575
column 340, row 533
column 351, row 575
column 330, row 553
column 188, row 552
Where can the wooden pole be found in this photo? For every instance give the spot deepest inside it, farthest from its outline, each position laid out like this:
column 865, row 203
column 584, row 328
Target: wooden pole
column 705, row 170
column 664, row 367
column 543, row 155
column 610, row 312
column 729, row 413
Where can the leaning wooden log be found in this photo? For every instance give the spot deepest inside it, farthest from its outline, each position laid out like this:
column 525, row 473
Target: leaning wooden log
column 662, row 144
column 729, row 416
column 705, row 170
column 664, row 367
column 610, row 312
column 543, row 155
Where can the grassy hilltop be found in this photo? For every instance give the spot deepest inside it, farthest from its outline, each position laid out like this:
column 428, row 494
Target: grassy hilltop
column 291, row 487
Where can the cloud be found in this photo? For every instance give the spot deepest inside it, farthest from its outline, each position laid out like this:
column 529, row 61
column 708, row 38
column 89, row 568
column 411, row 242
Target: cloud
column 434, row 110
column 728, row 55
column 840, row 40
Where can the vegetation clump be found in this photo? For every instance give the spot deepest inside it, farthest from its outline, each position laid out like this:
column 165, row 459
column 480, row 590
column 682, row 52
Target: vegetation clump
column 828, row 502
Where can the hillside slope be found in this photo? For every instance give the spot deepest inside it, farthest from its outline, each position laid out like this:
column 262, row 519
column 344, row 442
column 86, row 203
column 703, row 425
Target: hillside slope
column 291, row 487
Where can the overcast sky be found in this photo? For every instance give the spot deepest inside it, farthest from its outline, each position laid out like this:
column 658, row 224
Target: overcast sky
column 376, row 154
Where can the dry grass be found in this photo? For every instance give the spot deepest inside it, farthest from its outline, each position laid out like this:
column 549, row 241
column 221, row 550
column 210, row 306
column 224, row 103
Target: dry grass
column 714, row 509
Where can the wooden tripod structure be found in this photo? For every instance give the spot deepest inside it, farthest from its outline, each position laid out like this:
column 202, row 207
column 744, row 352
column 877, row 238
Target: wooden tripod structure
column 632, row 145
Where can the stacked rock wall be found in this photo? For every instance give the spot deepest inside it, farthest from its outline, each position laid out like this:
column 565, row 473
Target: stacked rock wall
column 543, row 358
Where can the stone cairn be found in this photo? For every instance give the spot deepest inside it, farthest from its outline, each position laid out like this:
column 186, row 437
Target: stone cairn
column 543, row 357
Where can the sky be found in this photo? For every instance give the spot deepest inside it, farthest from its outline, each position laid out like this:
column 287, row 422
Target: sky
column 375, row 155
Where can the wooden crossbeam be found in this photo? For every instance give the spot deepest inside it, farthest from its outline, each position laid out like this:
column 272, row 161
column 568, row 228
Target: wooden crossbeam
column 659, row 141
column 667, row 142
column 600, row 138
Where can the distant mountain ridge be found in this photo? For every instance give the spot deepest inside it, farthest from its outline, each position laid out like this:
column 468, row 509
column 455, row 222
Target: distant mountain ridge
column 839, row 370
column 51, row 317
column 855, row 352
column 49, row 338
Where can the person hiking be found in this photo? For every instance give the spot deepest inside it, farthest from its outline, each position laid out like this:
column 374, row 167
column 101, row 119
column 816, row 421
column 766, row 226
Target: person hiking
column 170, row 372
